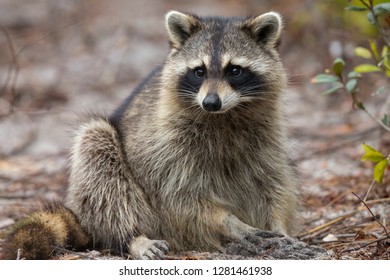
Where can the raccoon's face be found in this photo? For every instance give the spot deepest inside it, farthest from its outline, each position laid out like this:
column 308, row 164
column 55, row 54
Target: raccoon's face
column 218, row 64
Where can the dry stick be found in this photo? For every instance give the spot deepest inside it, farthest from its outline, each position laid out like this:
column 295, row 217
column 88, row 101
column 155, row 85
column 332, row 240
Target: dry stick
column 344, row 241
column 365, row 245
column 358, row 248
column 330, row 223
column 313, row 235
column 387, row 199
column 65, row 251
column 343, row 217
column 321, row 227
column 372, row 214
column 369, row 189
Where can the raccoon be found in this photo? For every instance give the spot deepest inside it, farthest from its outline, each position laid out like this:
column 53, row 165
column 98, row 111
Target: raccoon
column 197, row 155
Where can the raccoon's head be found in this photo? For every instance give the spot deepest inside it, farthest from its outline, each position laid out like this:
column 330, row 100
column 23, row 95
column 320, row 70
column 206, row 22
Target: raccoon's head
column 219, row 64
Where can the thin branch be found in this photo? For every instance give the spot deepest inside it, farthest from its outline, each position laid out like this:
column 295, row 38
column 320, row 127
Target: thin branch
column 379, row 200
column 372, row 214
column 369, row 190
column 375, row 119
column 365, row 245
column 336, row 220
column 370, row 7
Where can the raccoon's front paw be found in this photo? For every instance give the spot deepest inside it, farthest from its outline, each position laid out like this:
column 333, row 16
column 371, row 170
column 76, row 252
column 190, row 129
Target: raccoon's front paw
column 255, row 237
column 267, row 234
column 146, row 249
column 156, row 250
column 276, row 247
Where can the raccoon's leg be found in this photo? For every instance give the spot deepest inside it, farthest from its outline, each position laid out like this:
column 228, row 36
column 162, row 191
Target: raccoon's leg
column 234, row 229
column 282, row 220
column 105, row 197
column 284, row 213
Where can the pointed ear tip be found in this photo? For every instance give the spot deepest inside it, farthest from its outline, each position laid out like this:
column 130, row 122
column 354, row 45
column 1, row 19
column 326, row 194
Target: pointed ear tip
column 173, row 13
column 276, row 15
column 169, row 14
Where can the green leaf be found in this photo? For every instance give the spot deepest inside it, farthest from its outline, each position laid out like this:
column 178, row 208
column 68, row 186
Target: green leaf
column 371, row 154
column 333, row 89
column 386, row 61
column 363, row 52
column 356, row 8
column 354, row 75
column 324, row 78
column 385, row 51
column 374, row 49
column 351, row 85
column 382, row 8
column 379, row 170
column 338, row 66
column 379, row 10
column 366, row 68
column 385, row 58
column 368, row 148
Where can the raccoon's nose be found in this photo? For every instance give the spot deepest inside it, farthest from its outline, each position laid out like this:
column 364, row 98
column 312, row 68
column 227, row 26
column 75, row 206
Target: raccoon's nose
column 212, row 102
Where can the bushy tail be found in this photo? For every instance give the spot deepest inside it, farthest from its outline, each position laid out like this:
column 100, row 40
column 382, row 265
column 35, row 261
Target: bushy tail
column 37, row 235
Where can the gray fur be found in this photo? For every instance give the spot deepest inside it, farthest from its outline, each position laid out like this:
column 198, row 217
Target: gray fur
column 166, row 169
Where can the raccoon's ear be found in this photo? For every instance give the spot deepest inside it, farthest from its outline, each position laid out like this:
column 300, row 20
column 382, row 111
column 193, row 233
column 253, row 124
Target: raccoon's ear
column 266, row 28
column 180, row 27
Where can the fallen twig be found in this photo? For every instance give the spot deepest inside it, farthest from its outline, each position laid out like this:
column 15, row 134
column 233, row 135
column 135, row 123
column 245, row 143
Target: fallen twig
column 343, row 217
column 369, row 189
column 372, row 214
column 379, row 200
column 365, row 245
column 65, row 251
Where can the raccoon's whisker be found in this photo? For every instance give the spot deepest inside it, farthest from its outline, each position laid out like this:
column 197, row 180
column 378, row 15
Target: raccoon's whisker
column 254, row 87
column 191, row 87
column 252, row 84
column 198, row 109
column 254, row 94
column 255, row 91
column 186, row 92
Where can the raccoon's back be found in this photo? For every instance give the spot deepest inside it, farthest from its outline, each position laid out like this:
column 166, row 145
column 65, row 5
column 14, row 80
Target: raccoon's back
column 139, row 107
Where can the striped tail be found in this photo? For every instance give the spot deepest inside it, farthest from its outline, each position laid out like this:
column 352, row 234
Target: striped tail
column 36, row 236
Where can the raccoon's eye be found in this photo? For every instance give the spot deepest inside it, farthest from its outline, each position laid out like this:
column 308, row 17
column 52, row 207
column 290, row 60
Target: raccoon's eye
column 236, row 71
column 199, row 72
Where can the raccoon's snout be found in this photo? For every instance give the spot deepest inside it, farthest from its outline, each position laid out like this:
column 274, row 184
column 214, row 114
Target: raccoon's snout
column 212, row 103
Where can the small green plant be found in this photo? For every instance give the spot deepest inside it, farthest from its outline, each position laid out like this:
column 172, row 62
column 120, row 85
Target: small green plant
column 377, row 56
column 381, row 161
